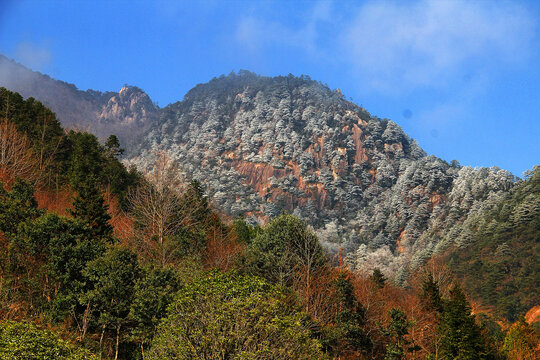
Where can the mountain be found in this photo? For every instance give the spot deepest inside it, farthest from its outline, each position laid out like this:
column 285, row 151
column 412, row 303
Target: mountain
column 126, row 113
column 264, row 145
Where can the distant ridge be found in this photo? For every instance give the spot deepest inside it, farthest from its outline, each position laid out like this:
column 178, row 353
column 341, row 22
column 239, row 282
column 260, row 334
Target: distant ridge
column 126, row 113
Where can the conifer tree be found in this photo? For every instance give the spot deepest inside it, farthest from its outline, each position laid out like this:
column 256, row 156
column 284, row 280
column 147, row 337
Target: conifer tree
column 461, row 336
column 16, row 206
column 89, row 206
column 350, row 317
column 396, row 331
column 378, row 278
column 431, row 297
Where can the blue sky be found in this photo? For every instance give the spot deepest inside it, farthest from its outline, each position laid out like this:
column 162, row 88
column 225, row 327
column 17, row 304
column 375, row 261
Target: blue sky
column 461, row 77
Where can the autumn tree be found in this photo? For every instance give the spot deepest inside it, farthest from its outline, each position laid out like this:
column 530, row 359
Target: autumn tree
column 17, row 159
column 161, row 206
column 521, row 341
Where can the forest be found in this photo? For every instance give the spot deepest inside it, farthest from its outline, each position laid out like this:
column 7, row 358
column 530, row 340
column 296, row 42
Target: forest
column 103, row 261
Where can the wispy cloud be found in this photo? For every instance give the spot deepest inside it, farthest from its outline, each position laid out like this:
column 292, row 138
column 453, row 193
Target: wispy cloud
column 34, row 56
column 395, row 46
column 255, row 33
column 427, row 43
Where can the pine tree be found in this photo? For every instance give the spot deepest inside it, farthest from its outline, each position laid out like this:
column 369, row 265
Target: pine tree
column 89, row 206
column 378, row 278
column 350, row 317
column 431, row 297
column 396, row 331
column 461, row 336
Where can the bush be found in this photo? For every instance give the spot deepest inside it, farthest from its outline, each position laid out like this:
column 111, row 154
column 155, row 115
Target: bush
column 27, row 342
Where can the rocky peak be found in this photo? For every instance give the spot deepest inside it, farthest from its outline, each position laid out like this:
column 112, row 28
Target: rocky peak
column 130, row 107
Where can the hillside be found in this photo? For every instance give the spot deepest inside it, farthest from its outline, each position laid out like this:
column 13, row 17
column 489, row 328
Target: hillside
column 261, row 146
column 140, row 266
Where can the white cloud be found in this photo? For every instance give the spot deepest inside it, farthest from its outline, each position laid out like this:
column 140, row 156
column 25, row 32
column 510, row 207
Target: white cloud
column 396, row 45
column 36, row 57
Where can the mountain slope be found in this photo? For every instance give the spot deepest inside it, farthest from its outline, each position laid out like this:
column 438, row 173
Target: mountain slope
column 265, row 145
column 126, row 113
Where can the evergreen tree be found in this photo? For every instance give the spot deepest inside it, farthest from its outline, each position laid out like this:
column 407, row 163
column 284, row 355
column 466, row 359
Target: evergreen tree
column 461, row 336
column 114, row 276
column 378, row 278
column 89, row 206
column 112, row 147
column 153, row 293
column 396, row 331
column 244, row 231
column 349, row 318
column 16, row 206
column 86, row 159
column 431, row 297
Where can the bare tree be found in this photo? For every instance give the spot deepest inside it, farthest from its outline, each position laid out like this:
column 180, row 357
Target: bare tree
column 16, row 157
column 162, row 205
column 310, row 261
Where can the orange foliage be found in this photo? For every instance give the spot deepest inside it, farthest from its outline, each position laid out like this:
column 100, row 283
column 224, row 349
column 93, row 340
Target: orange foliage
column 222, row 246
column 17, row 160
column 58, row 202
column 378, row 302
column 533, row 315
column 122, row 223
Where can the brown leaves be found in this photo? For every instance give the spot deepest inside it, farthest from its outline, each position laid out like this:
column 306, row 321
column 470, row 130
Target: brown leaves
column 17, row 159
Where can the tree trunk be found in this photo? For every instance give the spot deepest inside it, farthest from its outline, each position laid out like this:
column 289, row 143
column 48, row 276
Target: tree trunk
column 101, row 342
column 117, row 341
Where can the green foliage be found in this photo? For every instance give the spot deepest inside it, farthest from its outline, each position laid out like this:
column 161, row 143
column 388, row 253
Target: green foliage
column 89, row 206
column 67, row 158
column 228, row 316
column 88, row 159
column 64, row 246
column 396, row 331
column 245, row 232
column 378, row 278
column 284, row 246
column 41, row 127
column 85, row 158
column 153, row 293
column 346, row 334
column 112, row 147
column 500, row 266
column 431, row 296
column 16, row 206
column 20, row 341
column 113, row 276
column 461, row 336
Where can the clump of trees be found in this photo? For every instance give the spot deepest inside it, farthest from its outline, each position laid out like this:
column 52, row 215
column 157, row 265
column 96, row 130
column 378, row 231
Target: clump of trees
column 185, row 283
column 233, row 316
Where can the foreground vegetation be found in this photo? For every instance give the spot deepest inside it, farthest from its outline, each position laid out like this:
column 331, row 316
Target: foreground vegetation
column 97, row 259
